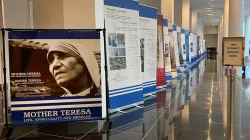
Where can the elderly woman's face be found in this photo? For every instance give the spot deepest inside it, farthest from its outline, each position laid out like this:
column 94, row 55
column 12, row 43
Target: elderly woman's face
column 64, row 68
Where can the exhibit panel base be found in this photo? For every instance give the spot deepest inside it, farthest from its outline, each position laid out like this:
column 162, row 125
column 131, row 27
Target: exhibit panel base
column 169, row 76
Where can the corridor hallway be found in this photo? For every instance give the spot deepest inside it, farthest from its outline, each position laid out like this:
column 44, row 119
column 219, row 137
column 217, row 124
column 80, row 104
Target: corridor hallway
column 194, row 106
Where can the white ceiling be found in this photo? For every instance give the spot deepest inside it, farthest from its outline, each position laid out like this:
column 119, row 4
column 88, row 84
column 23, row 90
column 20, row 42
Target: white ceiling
column 210, row 11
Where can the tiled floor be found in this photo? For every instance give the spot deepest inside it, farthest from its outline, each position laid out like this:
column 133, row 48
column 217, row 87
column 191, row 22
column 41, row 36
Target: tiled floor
column 195, row 107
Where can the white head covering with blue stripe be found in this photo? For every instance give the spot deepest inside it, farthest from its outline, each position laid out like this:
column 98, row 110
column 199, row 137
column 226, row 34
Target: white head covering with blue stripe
column 82, row 54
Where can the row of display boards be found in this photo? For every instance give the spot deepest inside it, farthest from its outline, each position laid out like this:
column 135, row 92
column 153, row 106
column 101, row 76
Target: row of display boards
column 61, row 75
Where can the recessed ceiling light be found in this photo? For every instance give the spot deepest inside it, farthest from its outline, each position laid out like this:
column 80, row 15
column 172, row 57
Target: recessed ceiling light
column 209, row 3
column 212, row 5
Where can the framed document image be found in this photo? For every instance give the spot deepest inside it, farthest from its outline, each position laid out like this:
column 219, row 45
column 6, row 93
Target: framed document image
column 233, row 51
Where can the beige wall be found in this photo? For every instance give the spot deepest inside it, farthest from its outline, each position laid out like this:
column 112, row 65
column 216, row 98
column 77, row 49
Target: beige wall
column 79, row 14
column 167, row 9
column 16, row 14
column 186, row 14
column 211, row 36
column 64, row 14
column 211, row 40
column 48, row 14
column 210, row 30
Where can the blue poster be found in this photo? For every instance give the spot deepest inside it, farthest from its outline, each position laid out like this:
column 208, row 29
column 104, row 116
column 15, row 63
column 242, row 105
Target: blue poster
column 123, row 54
column 148, row 47
column 55, row 76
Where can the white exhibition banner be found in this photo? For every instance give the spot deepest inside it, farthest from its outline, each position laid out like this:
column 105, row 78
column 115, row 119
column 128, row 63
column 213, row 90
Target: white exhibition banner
column 200, row 44
column 180, row 47
column 175, row 39
column 167, row 51
column 191, row 42
column 172, row 53
column 148, row 46
column 204, row 46
column 187, row 46
column 180, row 51
column 195, row 47
column 123, row 53
column 183, row 45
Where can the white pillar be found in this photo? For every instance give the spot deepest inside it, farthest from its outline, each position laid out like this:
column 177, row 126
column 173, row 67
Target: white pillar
column 68, row 14
column 247, row 47
column 167, row 10
column 226, row 18
column 178, row 13
column 236, row 22
column 194, row 22
column 247, row 34
column 199, row 27
column 186, row 14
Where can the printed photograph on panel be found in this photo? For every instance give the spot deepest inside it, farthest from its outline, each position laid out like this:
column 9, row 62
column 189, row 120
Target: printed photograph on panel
column 112, row 41
column 54, row 67
column 121, row 40
column 192, row 47
column 142, row 44
column 167, row 52
column 117, row 51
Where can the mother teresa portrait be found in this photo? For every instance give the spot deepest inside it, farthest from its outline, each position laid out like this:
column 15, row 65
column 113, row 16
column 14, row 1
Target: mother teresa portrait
column 75, row 69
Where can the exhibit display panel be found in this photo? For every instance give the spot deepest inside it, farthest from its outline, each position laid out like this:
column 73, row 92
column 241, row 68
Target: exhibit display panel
column 180, row 48
column 167, row 51
column 195, row 47
column 204, row 46
column 123, row 53
column 198, row 47
column 148, row 46
column 191, row 41
column 183, row 45
column 201, row 47
column 187, row 35
column 55, row 76
column 160, row 64
column 172, row 53
column 175, row 38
